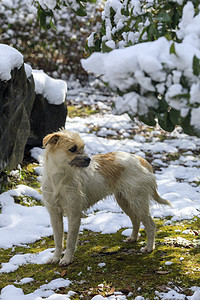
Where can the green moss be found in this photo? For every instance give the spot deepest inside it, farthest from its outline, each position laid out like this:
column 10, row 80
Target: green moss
column 81, row 111
column 25, row 175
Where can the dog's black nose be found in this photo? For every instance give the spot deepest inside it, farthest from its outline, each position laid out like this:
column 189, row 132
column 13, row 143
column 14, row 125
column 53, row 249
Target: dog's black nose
column 87, row 160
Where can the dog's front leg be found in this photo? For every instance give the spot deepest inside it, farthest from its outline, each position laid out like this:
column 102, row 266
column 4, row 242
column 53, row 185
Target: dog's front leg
column 56, row 217
column 74, row 222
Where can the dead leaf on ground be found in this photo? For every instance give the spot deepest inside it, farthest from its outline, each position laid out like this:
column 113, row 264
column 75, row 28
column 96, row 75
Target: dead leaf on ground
column 162, row 288
column 162, row 272
column 111, row 292
column 63, row 273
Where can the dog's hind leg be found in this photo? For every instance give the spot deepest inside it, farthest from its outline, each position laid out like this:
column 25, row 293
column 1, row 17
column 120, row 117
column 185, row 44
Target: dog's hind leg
column 150, row 228
column 124, row 204
column 56, row 217
column 74, row 221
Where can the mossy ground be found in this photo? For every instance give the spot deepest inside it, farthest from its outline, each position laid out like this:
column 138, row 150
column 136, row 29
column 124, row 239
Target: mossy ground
column 81, row 110
column 126, row 269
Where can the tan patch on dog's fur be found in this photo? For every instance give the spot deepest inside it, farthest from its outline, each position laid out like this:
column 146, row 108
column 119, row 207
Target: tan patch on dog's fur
column 145, row 164
column 109, row 167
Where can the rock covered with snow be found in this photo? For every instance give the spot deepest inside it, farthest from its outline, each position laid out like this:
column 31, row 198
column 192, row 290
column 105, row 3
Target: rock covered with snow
column 16, row 100
column 54, row 90
column 11, row 58
column 50, row 109
column 32, row 104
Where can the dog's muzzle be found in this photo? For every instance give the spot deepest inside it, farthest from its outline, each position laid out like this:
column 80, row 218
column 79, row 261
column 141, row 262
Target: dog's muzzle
column 80, row 161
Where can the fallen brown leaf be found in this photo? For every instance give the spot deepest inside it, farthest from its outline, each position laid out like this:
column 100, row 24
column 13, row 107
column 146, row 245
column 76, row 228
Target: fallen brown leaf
column 111, row 292
column 162, row 272
column 63, row 273
column 162, row 288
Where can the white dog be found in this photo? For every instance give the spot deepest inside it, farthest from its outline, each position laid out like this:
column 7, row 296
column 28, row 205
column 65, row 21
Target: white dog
column 72, row 182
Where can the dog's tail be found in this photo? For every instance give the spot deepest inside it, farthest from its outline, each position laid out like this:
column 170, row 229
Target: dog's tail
column 159, row 199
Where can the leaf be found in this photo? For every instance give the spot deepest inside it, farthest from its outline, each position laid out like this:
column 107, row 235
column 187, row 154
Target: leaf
column 98, row 45
column 111, row 292
column 196, row 232
column 141, row 35
column 124, row 12
column 63, row 273
column 163, row 17
column 149, row 119
column 165, row 122
column 172, row 49
column 151, row 32
column 162, row 288
column 52, row 25
column 163, row 106
column 187, row 128
column 162, row 272
column 80, row 12
column 42, row 16
column 196, row 65
column 186, row 96
column 105, row 48
column 174, row 116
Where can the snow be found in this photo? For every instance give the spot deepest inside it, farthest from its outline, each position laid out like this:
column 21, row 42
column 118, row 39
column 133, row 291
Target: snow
column 50, row 4
column 54, row 90
column 24, row 259
column 46, row 290
column 10, row 58
column 28, row 70
column 25, row 280
column 21, row 224
column 101, row 265
column 174, row 295
column 168, row 263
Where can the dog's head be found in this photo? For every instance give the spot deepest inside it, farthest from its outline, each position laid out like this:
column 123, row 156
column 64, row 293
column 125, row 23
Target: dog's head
column 66, row 146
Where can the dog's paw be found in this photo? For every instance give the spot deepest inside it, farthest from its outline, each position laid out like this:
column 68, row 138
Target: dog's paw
column 65, row 262
column 53, row 260
column 131, row 240
column 146, row 250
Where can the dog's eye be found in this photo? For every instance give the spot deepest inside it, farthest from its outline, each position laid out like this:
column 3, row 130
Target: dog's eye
column 73, row 149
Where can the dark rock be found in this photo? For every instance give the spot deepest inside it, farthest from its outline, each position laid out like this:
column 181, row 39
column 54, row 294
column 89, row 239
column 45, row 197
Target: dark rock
column 45, row 118
column 16, row 100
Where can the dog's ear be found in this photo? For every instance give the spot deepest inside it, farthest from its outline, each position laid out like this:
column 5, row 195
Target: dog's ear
column 51, row 139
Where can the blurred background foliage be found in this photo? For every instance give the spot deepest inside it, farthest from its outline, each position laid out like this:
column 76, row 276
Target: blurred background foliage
column 58, row 50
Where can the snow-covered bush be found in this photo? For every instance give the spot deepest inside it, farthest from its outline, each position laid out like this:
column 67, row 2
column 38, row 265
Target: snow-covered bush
column 151, row 59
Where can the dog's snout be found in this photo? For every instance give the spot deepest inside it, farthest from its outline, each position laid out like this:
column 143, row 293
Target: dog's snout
column 80, row 161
